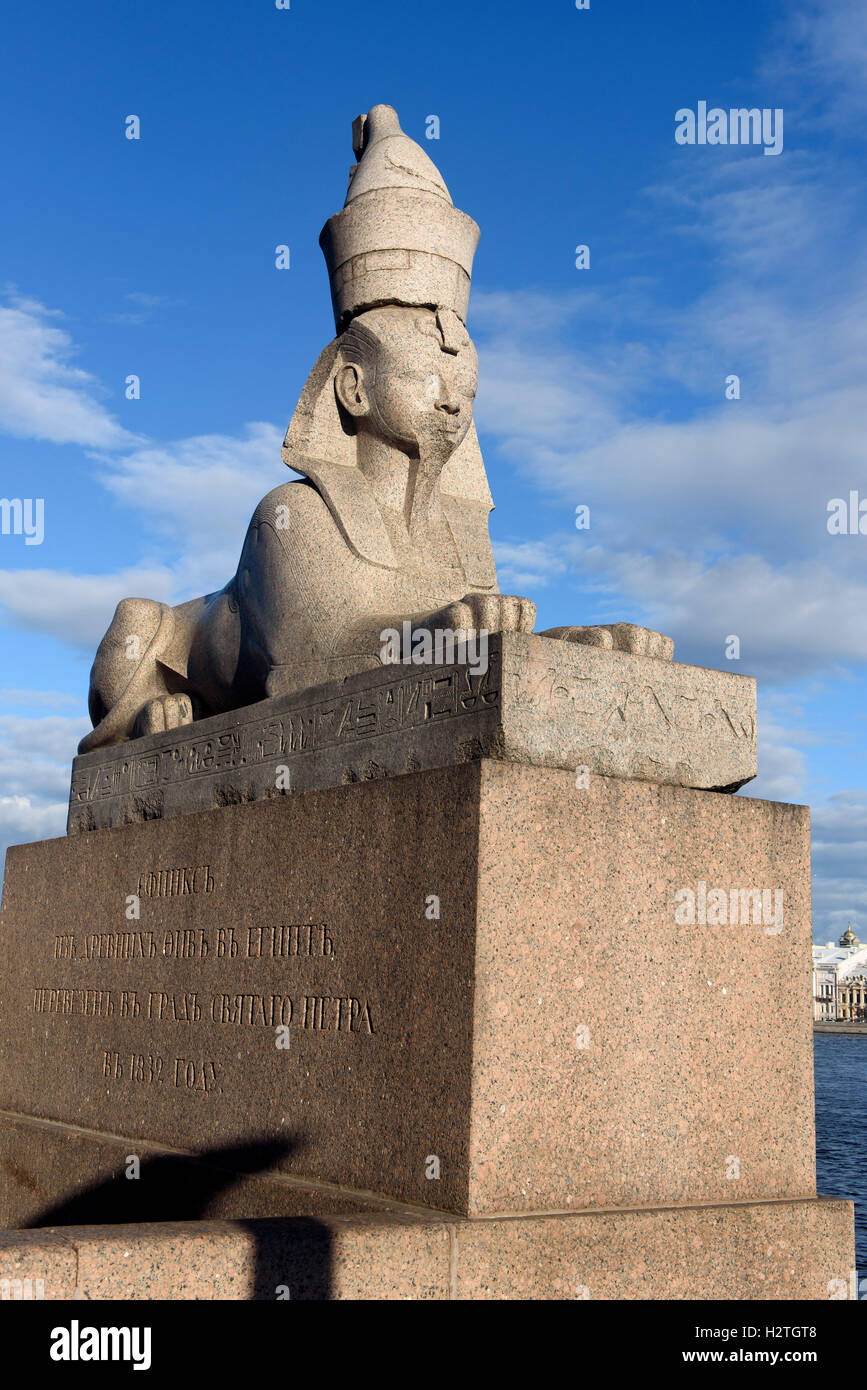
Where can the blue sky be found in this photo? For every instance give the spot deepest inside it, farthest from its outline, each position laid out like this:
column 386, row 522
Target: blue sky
column 602, row 387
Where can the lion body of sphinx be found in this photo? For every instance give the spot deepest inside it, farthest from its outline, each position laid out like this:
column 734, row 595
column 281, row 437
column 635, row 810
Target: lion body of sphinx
column 303, row 608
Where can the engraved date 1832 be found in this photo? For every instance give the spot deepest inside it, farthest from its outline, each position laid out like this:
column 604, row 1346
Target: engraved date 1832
column 149, row 1069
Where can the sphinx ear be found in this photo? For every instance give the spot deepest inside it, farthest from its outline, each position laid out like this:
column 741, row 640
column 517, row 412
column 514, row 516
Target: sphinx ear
column 351, row 391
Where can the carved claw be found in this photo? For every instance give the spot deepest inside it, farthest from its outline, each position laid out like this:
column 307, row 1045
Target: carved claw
column 492, row 613
column 166, row 712
column 619, row 637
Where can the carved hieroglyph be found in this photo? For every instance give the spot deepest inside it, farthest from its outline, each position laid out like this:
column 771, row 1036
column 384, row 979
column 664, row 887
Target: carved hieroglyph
column 538, row 701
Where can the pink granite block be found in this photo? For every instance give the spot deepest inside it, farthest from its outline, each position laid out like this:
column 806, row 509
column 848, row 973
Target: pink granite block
column 36, row 1265
column 619, row 1057
column 770, row 1250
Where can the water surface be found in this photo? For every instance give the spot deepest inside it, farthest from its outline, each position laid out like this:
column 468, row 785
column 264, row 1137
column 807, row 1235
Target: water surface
column 841, row 1126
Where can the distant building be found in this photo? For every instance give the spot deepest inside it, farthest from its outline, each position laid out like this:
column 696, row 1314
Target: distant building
column 852, row 999
column 824, row 992
column 840, row 980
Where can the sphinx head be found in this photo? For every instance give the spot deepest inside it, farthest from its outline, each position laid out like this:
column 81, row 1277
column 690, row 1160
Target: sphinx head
column 408, row 376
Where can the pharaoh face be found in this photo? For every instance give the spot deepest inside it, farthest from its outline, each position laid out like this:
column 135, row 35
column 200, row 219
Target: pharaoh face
column 409, row 376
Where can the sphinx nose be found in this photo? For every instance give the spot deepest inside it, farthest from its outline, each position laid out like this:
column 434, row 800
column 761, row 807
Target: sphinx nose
column 448, row 403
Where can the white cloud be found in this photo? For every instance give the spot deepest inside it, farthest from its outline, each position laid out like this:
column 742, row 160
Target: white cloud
column 838, row 822
column 76, row 608
column 792, row 620
column 48, row 739
column 546, row 400
column 42, row 394
column 201, row 489
column 197, row 495
column 760, row 470
column 537, row 313
column 27, row 305
column 55, row 699
column 822, row 55
column 839, row 853
column 145, row 304
column 527, row 564
column 22, row 819
column 708, row 516
column 193, row 497
column 35, row 764
column 783, row 773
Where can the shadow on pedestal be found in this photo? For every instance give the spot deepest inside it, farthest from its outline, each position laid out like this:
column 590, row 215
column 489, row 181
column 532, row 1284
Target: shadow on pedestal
column 292, row 1256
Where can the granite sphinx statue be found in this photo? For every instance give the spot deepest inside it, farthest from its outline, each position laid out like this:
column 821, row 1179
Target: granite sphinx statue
column 388, row 522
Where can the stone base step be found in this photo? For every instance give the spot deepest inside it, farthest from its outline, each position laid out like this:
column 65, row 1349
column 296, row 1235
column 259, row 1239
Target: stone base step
column 764, row 1250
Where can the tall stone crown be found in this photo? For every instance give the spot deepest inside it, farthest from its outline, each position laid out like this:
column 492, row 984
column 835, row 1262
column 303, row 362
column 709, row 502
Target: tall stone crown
column 399, row 238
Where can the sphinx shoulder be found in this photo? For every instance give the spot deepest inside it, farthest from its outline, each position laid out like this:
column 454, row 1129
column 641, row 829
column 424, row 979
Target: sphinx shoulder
column 293, row 509
column 291, row 531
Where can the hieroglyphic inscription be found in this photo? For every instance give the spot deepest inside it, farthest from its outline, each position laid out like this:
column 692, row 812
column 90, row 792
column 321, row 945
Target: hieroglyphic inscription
column 416, row 699
column 599, row 705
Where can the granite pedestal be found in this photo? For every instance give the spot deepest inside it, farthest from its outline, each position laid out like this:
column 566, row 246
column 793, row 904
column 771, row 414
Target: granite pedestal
column 473, row 990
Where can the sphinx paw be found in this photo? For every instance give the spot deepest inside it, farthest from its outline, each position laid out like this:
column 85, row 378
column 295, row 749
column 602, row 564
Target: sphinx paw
column 166, row 712
column 619, row 637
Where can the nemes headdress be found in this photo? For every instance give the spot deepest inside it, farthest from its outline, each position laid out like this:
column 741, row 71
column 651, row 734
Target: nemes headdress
column 399, row 238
